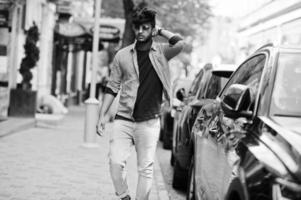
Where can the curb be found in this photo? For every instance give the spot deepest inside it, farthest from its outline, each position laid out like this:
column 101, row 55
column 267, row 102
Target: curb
column 159, row 181
column 14, row 124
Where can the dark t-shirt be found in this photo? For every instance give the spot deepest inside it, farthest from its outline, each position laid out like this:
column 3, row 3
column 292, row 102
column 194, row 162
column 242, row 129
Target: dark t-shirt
column 149, row 96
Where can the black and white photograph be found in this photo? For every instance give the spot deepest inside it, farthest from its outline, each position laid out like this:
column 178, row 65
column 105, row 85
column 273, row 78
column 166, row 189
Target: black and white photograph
column 150, row 100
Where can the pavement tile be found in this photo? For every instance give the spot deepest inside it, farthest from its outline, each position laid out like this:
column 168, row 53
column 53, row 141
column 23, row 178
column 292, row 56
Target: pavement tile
column 5, row 195
column 9, row 126
column 51, row 163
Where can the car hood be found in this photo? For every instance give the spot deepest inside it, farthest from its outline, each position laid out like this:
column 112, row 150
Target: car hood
column 288, row 132
column 290, row 123
column 289, row 128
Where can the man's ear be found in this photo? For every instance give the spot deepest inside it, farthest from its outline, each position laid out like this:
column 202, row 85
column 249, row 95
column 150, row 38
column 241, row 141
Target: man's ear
column 154, row 32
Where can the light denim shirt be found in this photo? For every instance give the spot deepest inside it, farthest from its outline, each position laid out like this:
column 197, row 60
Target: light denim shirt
column 124, row 77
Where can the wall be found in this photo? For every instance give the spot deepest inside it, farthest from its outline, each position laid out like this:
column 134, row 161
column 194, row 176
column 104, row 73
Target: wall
column 277, row 22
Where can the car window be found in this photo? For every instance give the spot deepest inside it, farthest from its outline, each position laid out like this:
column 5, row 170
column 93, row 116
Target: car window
column 203, row 84
column 213, row 88
column 249, row 73
column 286, row 96
column 194, row 86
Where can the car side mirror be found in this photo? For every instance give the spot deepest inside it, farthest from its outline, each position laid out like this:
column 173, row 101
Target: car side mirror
column 237, row 101
column 180, row 94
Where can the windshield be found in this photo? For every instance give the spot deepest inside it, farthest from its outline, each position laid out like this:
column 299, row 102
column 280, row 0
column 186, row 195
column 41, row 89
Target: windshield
column 286, row 97
column 210, row 89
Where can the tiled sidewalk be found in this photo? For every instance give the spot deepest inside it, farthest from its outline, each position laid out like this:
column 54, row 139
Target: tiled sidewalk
column 51, row 163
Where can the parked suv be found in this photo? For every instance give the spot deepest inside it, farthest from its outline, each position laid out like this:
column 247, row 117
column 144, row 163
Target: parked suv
column 179, row 87
column 248, row 141
column 182, row 98
column 207, row 90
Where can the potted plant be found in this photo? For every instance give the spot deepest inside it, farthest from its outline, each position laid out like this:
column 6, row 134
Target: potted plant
column 23, row 99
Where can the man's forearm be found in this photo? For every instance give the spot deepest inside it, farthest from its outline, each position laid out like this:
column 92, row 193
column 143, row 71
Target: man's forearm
column 165, row 33
column 176, row 43
column 170, row 36
column 106, row 104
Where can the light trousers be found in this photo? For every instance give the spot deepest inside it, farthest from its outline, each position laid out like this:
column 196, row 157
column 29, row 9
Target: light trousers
column 144, row 137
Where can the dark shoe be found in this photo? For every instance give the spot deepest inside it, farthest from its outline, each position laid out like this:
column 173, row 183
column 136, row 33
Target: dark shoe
column 127, row 197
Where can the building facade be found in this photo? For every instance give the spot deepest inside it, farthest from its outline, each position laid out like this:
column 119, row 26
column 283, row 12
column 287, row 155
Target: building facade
column 277, row 21
column 17, row 16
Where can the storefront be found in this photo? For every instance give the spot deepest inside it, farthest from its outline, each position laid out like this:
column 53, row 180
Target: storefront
column 17, row 16
column 72, row 57
column 5, row 32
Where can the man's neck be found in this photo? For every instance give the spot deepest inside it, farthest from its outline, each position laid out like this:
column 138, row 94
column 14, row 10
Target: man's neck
column 144, row 46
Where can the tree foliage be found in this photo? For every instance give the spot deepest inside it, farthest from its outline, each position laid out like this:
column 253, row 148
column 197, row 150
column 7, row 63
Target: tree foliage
column 112, row 8
column 187, row 17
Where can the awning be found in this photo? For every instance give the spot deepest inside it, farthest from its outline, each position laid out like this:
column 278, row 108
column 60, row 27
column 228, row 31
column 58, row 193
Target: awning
column 110, row 29
column 107, row 33
column 70, row 30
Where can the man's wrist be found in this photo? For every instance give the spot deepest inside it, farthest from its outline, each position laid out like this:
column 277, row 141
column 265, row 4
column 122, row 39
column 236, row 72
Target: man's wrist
column 101, row 115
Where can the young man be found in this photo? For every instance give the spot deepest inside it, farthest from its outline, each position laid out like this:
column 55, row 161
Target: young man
column 141, row 74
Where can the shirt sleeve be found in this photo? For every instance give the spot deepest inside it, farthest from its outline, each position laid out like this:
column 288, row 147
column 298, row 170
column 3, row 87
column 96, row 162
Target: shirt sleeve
column 174, row 47
column 114, row 80
column 110, row 91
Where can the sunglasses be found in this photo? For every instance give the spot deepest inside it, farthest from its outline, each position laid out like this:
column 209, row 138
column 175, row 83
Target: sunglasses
column 144, row 27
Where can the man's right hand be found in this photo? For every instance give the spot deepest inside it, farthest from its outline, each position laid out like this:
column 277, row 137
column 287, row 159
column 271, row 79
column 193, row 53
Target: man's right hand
column 100, row 127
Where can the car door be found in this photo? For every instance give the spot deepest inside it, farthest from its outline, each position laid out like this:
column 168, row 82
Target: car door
column 178, row 117
column 188, row 115
column 232, row 131
column 216, row 163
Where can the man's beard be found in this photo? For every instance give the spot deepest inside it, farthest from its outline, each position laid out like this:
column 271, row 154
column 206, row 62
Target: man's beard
column 148, row 39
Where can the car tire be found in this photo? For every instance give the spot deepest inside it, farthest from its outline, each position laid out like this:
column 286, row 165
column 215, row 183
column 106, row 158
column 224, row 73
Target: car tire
column 190, row 193
column 172, row 159
column 161, row 128
column 235, row 190
column 167, row 130
column 179, row 177
column 166, row 143
column 161, row 135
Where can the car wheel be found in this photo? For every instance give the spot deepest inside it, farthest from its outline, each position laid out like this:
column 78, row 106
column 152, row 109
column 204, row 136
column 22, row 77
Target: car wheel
column 190, row 195
column 161, row 130
column 168, row 126
column 172, row 159
column 235, row 191
column 161, row 135
column 179, row 177
column 166, row 142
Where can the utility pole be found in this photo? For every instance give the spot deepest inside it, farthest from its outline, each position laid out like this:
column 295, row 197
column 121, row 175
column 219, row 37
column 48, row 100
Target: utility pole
column 92, row 104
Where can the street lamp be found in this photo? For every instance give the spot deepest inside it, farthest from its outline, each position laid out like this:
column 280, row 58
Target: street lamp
column 92, row 104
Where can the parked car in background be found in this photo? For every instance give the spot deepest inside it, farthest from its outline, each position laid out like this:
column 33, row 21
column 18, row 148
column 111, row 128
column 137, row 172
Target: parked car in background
column 185, row 97
column 180, row 87
column 207, row 90
column 248, row 141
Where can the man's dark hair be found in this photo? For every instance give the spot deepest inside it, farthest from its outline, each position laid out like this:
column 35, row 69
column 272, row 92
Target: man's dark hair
column 144, row 15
